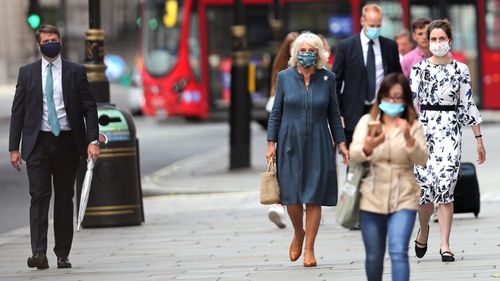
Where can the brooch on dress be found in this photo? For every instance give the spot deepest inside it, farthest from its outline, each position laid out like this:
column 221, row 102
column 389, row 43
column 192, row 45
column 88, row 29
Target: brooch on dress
column 325, row 77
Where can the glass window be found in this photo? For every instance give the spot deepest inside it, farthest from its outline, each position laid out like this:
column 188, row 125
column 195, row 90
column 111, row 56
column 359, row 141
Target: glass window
column 331, row 19
column 492, row 19
column 161, row 30
column 259, row 33
column 194, row 46
column 464, row 29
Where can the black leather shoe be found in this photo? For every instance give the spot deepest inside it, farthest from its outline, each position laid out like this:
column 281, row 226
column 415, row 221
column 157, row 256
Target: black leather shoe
column 39, row 260
column 421, row 248
column 63, row 262
column 447, row 256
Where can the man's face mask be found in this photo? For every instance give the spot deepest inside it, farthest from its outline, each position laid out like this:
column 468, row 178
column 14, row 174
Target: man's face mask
column 51, row 49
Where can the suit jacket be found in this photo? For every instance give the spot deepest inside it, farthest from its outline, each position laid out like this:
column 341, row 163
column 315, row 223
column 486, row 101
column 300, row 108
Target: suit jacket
column 350, row 73
column 27, row 107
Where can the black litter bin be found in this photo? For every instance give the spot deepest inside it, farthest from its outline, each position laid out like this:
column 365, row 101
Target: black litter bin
column 115, row 197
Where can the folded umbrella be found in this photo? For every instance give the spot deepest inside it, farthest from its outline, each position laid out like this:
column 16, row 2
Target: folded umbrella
column 84, row 198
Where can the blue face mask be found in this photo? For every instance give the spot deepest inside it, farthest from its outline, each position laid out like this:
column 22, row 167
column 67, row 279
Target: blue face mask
column 391, row 109
column 50, row 49
column 307, row 59
column 372, row 32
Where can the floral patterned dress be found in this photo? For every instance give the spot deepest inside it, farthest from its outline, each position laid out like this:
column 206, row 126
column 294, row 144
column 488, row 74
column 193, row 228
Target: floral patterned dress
column 442, row 84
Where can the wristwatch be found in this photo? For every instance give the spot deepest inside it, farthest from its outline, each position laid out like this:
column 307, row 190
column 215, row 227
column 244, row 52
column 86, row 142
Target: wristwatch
column 96, row 142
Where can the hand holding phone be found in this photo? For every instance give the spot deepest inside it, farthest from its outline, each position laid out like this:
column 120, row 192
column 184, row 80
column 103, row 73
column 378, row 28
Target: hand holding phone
column 374, row 137
column 374, row 128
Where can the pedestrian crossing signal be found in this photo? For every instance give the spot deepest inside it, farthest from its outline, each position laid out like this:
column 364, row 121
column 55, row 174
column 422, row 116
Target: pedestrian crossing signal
column 34, row 18
column 34, row 21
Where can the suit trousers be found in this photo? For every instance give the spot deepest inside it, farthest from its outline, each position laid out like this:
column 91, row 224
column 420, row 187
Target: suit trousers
column 348, row 133
column 53, row 161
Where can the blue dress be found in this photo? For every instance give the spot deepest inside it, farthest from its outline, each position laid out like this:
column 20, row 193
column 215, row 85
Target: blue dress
column 302, row 124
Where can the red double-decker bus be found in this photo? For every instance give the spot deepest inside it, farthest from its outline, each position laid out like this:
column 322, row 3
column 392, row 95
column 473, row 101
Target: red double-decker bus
column 186, row 47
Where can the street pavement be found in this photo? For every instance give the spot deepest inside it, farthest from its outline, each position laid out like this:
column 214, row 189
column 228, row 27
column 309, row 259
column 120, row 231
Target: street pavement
column 206, row 224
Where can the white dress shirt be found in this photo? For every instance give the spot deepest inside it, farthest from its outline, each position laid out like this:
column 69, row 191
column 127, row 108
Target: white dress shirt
column 58, row 95
column 379, row 65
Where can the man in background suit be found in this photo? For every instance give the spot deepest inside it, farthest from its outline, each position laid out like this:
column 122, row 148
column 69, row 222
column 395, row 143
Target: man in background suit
column 51, row 103
column 361, row 62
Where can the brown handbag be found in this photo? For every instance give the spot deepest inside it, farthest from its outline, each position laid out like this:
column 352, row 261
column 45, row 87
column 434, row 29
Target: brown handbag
column 269, row 187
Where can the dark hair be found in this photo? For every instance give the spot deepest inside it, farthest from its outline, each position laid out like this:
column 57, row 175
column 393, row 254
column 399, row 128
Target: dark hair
column 47, row 28
column 282, row 57
column 389, row 81
column 419, row 24
column 445, row 25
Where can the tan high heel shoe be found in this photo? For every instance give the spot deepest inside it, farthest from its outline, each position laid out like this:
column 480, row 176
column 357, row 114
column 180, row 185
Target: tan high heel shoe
column 294, row 254
column 309, row 262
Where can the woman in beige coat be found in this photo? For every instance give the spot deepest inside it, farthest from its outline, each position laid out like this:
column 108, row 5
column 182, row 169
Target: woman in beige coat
column 389, row 194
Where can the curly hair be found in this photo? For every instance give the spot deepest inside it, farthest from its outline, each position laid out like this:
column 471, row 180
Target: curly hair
column 314, row 41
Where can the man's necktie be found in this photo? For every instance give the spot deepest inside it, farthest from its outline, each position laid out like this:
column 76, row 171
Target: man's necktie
column 51, row 107
column 370, row 72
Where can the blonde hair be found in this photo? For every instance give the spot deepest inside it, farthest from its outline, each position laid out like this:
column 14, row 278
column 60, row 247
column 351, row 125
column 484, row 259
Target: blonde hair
column 312, row 40
column 371, row 7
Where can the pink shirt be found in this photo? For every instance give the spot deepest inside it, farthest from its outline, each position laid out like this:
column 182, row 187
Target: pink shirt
column 410, row 59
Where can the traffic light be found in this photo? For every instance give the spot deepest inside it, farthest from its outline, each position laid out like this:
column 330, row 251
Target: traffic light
column 34, row 17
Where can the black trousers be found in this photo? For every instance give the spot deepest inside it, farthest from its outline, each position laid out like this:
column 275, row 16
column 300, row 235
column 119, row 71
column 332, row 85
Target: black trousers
column 349, row 133
column 53, row 161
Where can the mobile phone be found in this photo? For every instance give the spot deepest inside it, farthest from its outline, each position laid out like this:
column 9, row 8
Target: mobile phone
column 374, row 126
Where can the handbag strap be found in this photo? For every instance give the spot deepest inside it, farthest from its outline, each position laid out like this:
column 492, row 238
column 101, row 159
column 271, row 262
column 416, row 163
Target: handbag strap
column 271, row 165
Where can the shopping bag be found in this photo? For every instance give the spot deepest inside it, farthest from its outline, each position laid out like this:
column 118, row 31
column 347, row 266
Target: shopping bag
column 347, row 211
column 269, row 187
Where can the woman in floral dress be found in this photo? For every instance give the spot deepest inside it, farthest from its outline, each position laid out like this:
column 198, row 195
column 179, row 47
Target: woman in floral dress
column 442, row 95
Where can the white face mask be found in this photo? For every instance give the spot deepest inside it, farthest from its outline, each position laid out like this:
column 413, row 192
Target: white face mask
column 439, row 49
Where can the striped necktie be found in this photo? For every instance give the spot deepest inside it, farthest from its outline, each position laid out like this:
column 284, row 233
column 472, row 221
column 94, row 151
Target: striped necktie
column 51, row 107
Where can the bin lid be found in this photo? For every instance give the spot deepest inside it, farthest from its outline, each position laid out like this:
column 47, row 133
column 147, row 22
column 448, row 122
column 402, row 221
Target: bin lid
column 113, row 124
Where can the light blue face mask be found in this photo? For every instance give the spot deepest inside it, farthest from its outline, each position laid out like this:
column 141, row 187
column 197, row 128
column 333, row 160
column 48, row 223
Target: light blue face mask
column 391, row 109
column 372, row 32
column 307, row 59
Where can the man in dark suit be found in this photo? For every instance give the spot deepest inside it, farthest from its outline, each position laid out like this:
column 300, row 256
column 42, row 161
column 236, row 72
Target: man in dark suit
column 361, row 62
column 56, row 116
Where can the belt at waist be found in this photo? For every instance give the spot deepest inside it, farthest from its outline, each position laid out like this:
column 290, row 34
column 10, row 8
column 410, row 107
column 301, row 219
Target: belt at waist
column 438, row 107
column 61, row 133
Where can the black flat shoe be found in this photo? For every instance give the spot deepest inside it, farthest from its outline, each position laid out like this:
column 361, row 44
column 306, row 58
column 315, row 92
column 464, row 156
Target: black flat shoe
column 421, row 248
column 39, row 260
column 63, row 262
column 447, row 256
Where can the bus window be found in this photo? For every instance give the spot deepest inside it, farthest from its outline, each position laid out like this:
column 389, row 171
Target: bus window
column 194, row 45
column 331, row 19
column 465, row 41
column 424, row 11
column 161, row 33
column 492, row 19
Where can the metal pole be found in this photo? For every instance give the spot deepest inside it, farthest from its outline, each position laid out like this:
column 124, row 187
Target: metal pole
column 240, row 98
column 94, row 14
column 94, row 54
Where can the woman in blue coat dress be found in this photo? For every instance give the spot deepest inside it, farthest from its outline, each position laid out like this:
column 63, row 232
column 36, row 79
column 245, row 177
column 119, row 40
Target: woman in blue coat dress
column 304, row 118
